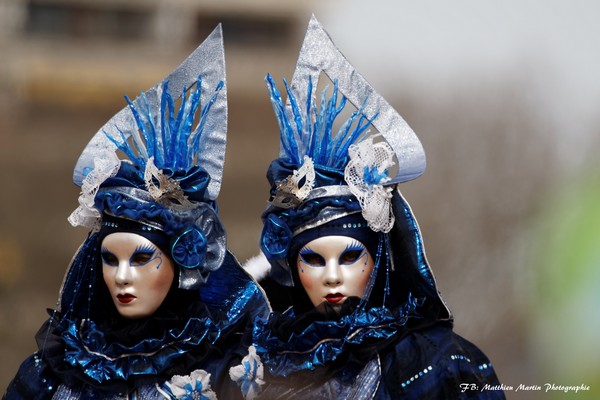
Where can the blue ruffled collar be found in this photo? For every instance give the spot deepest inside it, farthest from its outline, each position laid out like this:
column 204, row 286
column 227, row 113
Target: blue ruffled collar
column 322, row 342
column 88, row 350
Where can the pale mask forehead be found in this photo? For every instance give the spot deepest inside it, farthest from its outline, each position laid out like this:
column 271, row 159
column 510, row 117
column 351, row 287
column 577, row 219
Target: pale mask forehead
column 137, row 274
column 333, row 268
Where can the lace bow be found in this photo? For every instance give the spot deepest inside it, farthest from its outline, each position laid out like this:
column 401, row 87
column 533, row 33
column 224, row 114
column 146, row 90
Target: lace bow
column 86, row 214
column 366, row 174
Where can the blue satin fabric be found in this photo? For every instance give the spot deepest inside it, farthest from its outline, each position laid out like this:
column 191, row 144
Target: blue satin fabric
column 193, row 181
column 79, row 346
column 276, row 236
column 322, row 342
column 121, row 202
column 233, row 295
column 408, row 231
column 281, row 168
column 231, row 298
column 189, row 249
column 197, row 241
column 87, row 349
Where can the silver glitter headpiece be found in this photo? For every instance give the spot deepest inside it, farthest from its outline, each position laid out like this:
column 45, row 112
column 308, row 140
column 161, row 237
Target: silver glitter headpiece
column 320, row 54
column 323, row 174
column 174, row 169
column 207, row 61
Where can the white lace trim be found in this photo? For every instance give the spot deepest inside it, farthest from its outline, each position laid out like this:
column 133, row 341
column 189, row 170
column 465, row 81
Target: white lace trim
column 86, row 214
column 365, row 174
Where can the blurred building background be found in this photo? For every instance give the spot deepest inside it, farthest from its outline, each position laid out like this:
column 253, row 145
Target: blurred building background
column 503, row 96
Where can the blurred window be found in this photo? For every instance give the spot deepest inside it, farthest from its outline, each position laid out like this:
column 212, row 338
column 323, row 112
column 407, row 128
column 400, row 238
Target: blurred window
column 85, row 20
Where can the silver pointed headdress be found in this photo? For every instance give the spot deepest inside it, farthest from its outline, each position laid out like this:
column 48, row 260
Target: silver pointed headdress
column 320, row 54
column 174, row 169
column 324, row 178
column 324, row 174
column 349, row 159
column 208, row 61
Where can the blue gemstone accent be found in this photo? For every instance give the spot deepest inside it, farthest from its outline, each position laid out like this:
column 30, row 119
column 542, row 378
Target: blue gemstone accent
column 485, row 366
column 459, row 357
column 417, row 376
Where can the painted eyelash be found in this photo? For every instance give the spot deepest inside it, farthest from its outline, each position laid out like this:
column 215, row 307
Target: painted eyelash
column 104, row 252
column 354, row 246
column 307, row 250
column 146, row 248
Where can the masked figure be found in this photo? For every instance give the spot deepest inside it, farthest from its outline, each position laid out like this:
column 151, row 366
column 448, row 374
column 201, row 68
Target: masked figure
column 366, row 319
column 153, row 305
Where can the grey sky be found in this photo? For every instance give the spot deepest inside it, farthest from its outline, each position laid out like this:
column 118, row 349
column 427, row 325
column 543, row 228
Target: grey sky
column 549, row 47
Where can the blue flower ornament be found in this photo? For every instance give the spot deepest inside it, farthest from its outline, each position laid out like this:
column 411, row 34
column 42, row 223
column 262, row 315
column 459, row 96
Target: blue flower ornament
column 195, row 386
column 276, row 237
column 189, row 249
column 249, row 374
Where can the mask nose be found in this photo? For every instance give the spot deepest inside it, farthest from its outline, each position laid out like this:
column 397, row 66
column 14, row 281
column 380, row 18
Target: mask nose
column 332, row 276
column 123, row 274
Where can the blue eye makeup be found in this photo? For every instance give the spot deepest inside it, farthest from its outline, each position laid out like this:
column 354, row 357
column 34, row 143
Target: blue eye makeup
column 352, row 253
column 142, row 255
column 311, row 258
column 109, row 258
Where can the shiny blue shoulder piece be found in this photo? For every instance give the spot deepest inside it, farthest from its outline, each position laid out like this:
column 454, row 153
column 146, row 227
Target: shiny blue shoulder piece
column 323, row 342
column 233, row 294
column 319, row 54
column 207, row 62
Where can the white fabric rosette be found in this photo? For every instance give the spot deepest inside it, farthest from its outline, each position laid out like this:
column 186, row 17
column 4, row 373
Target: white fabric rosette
column 249, row 374
column 193, row 386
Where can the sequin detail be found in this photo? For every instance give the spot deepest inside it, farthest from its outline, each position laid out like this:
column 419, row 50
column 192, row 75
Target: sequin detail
column 417, row 376
column 485, row 366
column 459, row 357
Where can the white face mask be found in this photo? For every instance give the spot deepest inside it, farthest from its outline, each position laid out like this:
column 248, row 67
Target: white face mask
column 333, row 268
column 137, row 273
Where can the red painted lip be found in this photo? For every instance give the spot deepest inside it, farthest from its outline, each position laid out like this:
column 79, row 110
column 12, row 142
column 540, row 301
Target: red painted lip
column 334, row 298
column 125, row 298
